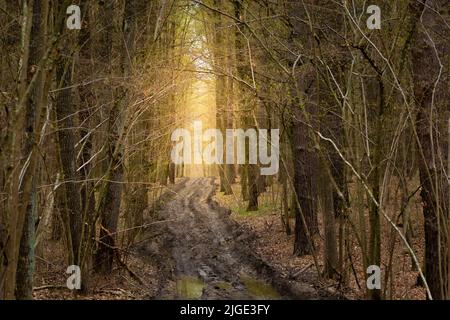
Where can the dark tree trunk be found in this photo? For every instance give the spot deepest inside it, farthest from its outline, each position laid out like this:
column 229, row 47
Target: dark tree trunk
column 104, row 257
column 304, row 210
column 249, row 172
column 67, row 155
column 432, row 101
column 67, row 138
column 112, row 189
column 252, row 187
column 172, row 173
column 25, row 266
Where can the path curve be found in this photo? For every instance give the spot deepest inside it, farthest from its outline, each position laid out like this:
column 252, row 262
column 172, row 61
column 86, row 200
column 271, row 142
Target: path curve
column 206, row 255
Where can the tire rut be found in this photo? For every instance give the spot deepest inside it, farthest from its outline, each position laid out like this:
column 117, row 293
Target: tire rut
column 201, row 256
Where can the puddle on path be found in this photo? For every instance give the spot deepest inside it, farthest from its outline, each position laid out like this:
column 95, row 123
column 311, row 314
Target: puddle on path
column 259, row 289
column 189, row 288
column 192, row 288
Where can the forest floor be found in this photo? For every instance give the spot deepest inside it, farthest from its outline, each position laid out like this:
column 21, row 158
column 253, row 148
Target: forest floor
column 192, row 249
column 201, row 244
column 275, row 247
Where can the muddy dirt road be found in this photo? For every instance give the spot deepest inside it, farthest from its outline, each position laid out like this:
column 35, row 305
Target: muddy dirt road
column 205, row 255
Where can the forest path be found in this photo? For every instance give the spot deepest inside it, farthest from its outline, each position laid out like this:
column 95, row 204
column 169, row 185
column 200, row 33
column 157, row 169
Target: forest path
column 205, row 255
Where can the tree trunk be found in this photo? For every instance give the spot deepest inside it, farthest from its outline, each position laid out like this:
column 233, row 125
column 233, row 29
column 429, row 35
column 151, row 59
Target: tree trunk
column 329, row 223
column 304, row 211
column 25, row 267
column 428, row 50
column 72, row 215
column 249, row 173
